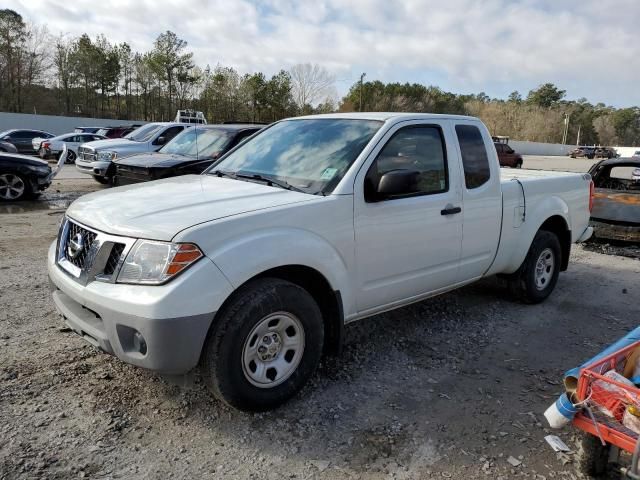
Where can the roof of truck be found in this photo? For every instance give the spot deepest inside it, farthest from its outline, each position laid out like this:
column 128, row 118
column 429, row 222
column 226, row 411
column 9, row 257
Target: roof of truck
column 384, row 116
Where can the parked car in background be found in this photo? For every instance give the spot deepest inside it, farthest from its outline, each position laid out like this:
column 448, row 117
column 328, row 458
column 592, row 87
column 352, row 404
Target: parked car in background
column 616, row 202
column 605, row 152
column 116, row 132
column 22, row 138
column 94, row 158
column 507, row 156
column 87, row 129
column 53, row 146
column 191, row 151
column 252, row 269
column 583, row 152
column 636, row 154
column 22, row 177
column 8, row 147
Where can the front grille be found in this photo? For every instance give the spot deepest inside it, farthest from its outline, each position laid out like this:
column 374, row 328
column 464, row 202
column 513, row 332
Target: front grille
column 86, row 153
column 89, row 255
column 114, row 258
column 131, row 168
column 82, row 237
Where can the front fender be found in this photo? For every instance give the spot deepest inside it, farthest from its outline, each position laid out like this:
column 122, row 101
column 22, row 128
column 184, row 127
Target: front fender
column 243, row 257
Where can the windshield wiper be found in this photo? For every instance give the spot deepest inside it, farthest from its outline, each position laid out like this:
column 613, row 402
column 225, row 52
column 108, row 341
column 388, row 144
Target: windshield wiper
column 270, row 181
column 255, row 176
column 222, row 173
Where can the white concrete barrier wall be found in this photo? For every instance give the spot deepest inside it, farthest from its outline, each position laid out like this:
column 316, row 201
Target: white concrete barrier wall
column 552, row 149
column 626, row 151
column 539, row 148
column 53, row 123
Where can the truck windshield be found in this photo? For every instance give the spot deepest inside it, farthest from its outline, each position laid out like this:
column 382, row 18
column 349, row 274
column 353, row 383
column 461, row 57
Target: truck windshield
column 311, row 155
column 198, row 142
column 144, row 133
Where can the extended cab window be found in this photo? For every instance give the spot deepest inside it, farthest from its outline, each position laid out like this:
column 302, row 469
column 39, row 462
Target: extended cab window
column 419, row 149
column 474, row 156
column 171, row 132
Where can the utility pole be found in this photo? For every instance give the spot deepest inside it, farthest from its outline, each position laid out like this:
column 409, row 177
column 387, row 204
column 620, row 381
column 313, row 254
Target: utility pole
column 578, row 139
column 361, row 86
column 565, row 132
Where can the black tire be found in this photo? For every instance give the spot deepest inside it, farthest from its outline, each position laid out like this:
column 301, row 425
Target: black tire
column 10, row 183
column 593, row 457
column 519, row 165
column 71, row 157
column 523, row 284
column 101, row 179
column 223, row 363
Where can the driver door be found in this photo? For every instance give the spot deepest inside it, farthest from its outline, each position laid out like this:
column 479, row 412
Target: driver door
column 408, row 245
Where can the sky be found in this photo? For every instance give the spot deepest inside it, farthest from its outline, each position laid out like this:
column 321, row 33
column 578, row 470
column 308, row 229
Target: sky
column 590, row 48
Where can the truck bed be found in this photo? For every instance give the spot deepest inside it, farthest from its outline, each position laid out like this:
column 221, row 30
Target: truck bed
column 526, row 197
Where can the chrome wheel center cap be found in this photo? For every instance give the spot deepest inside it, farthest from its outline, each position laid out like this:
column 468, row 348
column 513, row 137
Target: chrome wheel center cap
column 269, row 347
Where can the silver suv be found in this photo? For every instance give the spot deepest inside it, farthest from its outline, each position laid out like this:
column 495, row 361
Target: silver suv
column 94, row 158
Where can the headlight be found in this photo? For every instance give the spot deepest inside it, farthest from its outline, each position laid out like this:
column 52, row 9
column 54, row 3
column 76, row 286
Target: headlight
column 153, row 263
column 107, row 156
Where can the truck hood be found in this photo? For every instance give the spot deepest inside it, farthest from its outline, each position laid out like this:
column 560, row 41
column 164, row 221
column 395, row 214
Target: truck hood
column 150, row 160
column 159, row 210
column 113, row 144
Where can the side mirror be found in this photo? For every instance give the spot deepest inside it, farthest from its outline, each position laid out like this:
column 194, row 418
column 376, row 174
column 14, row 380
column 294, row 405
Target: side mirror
column 398, row 182
column 160, row 140
column 6, row 138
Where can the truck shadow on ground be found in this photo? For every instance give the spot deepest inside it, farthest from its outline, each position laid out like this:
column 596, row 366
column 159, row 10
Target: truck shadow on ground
column 377, row 407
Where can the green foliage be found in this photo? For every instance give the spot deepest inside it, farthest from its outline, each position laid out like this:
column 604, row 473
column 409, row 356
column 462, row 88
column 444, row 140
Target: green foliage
column 547, row 95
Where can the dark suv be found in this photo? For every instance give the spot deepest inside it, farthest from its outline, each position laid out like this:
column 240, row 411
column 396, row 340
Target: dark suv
column 605, row 152
column 508, row 156
column 191, row 151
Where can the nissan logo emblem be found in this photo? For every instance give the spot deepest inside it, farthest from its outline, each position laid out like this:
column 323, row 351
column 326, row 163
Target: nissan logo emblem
column 76, row 245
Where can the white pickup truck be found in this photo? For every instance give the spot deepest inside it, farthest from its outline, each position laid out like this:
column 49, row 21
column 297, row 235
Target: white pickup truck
column 252, row 269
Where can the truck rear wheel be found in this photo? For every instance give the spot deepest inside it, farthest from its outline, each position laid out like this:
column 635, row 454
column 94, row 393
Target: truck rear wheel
column 264, row 345
column 536, row 278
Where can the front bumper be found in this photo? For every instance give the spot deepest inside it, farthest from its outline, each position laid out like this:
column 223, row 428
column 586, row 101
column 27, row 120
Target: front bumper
column 172, row 320
column 93, row 168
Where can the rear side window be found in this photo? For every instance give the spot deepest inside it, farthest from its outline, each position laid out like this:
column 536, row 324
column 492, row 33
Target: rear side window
column 474, row 156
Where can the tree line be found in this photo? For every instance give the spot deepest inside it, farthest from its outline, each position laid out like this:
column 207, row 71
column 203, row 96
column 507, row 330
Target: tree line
column 93, row 77
column 541, row 116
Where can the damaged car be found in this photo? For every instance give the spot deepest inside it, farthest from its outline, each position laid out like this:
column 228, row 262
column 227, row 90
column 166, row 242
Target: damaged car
column 616, row 200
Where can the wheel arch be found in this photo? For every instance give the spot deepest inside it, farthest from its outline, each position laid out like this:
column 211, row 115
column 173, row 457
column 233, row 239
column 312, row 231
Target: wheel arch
column 329, row 300
column 557, row 225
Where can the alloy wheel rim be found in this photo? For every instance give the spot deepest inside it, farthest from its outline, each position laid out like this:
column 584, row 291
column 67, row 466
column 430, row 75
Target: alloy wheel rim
column 545, row 266
column 273, row 349
column 11, row 186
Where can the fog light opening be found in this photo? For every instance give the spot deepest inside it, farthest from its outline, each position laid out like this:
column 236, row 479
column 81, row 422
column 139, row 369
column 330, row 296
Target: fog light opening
column 139, row 343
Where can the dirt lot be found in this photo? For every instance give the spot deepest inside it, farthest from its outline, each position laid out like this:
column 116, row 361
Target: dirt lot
column 446, row 388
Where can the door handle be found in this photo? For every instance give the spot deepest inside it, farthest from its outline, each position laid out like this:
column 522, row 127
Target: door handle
column 450, row 210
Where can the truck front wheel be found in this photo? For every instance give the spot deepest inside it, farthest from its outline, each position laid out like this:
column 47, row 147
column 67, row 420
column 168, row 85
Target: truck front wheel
column 536, row 278
column 264, row 345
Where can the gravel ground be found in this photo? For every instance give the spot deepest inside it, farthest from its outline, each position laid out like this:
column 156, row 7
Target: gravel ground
column 446, row 388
